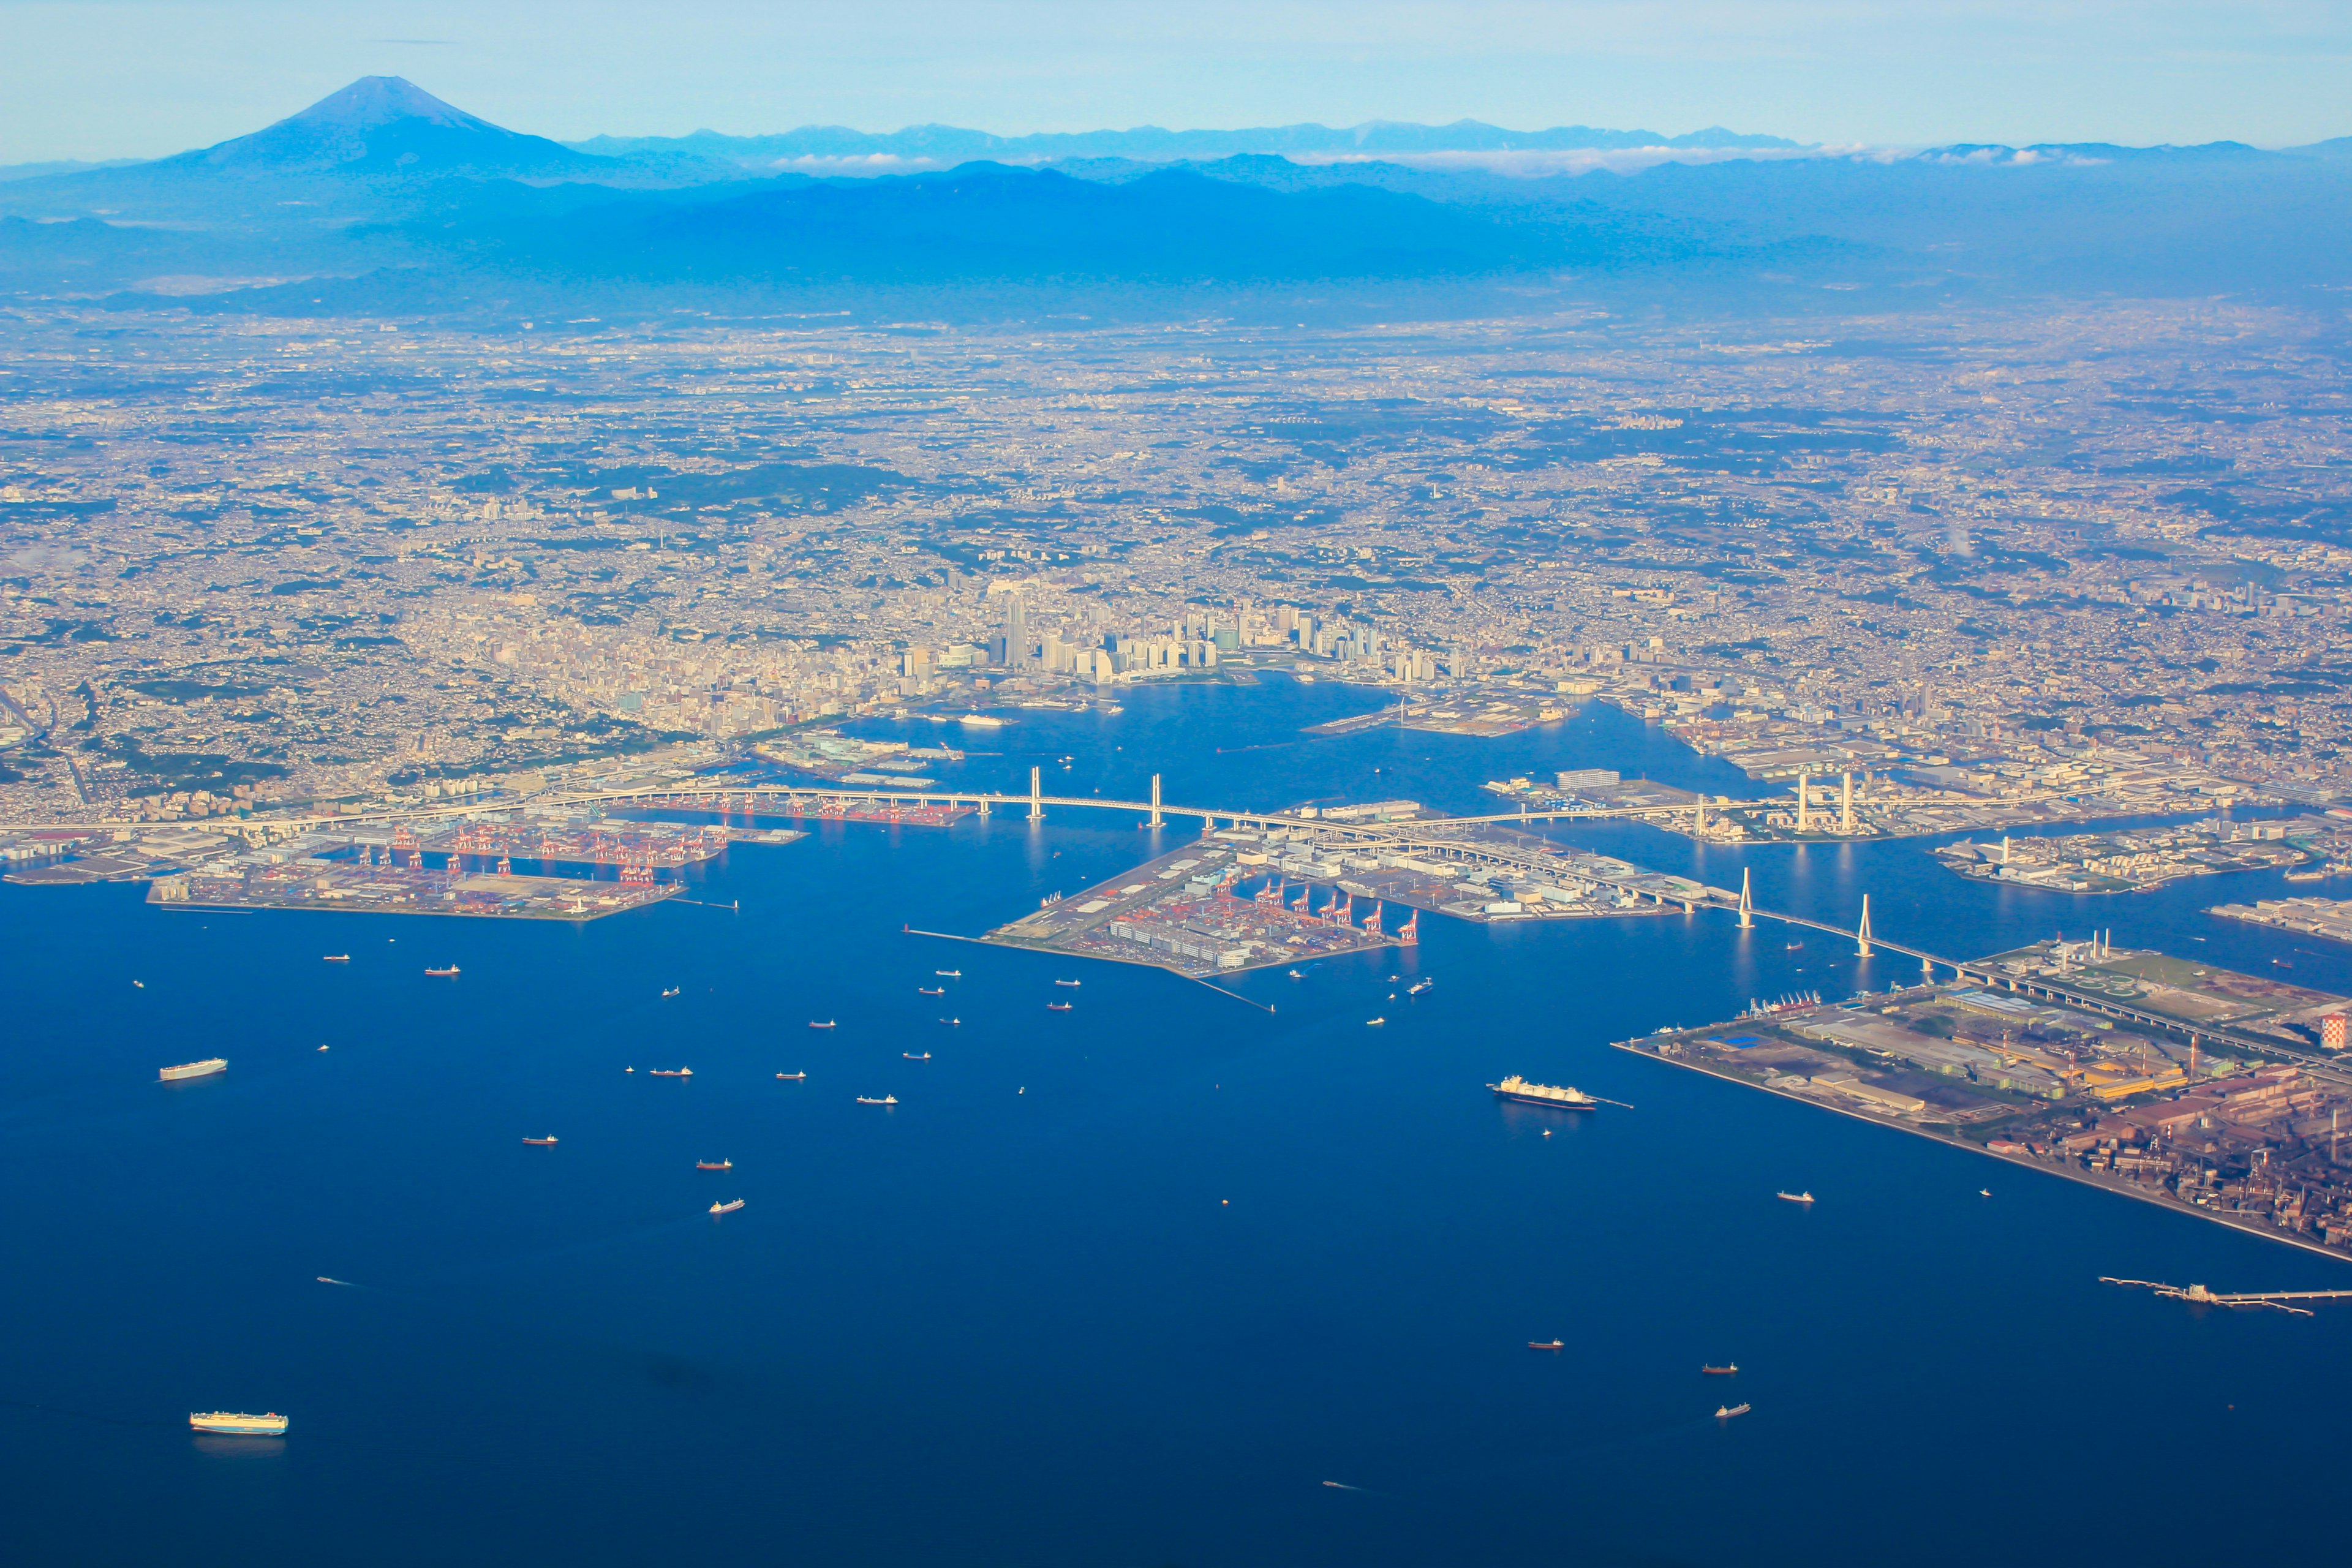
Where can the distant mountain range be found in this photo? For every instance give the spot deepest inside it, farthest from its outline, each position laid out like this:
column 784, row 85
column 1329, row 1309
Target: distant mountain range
column 383, row 180
column 941, row 146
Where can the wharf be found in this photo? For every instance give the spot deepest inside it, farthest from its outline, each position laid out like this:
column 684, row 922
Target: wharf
column 1182, row 912
column 1992, row 1096
column 352, row 887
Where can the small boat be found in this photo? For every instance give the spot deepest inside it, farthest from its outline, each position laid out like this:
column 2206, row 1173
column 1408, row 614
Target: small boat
column 730, row 1208
column 953, row 1023
column 1726, row 1412
column 714, row 1165
column 791, row 1077
column 139, row 985
column 547, row 1142
column 913, row 1058
column 1417, row 989
column 1295, row 976
column 931, row 990
column 448, row 973
column 205, row 1068
column 815, row 1024
column 870, row 1099
column 1794, row 1197
column 336, row 958
column 673, row 991
column 672, row 1072
column 949, row 974
column 1547, row 1345
column 322, row 1047
column 1070, row 983
column 238, row 1425
column 1731, row 1371
column 1374, row 1022
column 1981, row 1192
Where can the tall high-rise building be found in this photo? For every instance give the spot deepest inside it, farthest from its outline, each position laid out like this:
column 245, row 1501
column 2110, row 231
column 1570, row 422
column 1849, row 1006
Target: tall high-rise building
column 1016, row 633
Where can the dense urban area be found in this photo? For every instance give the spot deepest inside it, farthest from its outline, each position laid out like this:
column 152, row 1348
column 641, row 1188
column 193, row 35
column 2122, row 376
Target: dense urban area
column 253, row 563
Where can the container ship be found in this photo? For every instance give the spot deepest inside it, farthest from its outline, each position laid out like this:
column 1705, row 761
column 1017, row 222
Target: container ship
column 1520, row 1089
column 237, row 1424
column 193, row 1069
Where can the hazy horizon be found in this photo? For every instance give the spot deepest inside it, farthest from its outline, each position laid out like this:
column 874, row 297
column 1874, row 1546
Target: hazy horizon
column 152, row 78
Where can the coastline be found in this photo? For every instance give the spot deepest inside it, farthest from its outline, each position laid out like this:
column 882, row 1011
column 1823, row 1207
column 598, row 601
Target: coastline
column 2071, row 1173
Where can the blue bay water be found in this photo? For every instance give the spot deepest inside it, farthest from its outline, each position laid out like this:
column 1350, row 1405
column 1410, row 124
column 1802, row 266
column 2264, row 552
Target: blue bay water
column 1124, row 1285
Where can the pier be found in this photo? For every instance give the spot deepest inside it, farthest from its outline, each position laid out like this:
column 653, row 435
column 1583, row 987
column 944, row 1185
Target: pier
column 2197, row 1295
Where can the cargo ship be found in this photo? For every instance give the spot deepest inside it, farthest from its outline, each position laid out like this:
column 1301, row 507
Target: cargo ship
column 714, row 1165
column 670, row 1072
column 870, row 1099
column 730, row 1208
column 1518, row 1088
column 949, row 974
column 1794, row 1197
column 815, row 1024
column 791, row 1077
column 1070, row 983
column 448, row 973
column 1726, row 1412
column 238, row 1425
column 547, row 1142
column 913, row 1058
column 1057, row 1007
column 336, row 958
column 193, row 1069
column 931, row 990
column 1731, row 1371
column 1547, row 1345
column 1417, row 990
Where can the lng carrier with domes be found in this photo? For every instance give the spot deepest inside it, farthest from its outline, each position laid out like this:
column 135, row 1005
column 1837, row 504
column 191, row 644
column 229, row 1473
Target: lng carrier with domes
column 1562, row 1099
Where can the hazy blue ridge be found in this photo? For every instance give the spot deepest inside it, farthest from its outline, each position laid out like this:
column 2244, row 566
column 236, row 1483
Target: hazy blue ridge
column 949, row 143
column 986, row 220
column 386, row 183
column 2184, row 220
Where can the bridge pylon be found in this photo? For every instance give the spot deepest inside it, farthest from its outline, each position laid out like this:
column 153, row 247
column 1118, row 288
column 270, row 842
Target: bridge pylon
column 1862, row 936
column 1155, row 800
column 1036, row 795
column 1747, row 900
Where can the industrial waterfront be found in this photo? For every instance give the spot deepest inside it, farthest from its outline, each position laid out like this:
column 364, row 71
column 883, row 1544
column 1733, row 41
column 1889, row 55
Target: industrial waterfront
column 1128, row 1282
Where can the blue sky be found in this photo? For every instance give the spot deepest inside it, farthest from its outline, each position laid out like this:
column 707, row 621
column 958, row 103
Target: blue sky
column 142, row 78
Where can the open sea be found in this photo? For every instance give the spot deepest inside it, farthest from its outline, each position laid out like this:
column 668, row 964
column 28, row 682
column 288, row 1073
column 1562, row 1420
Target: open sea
column 1166, row 1279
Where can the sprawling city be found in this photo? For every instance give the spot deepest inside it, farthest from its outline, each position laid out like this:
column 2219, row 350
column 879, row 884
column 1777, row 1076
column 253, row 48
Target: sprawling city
column 1170, row 847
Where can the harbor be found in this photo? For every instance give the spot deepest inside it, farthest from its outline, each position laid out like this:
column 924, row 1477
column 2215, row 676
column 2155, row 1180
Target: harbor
column 579, row 871
column 2173, row 1111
